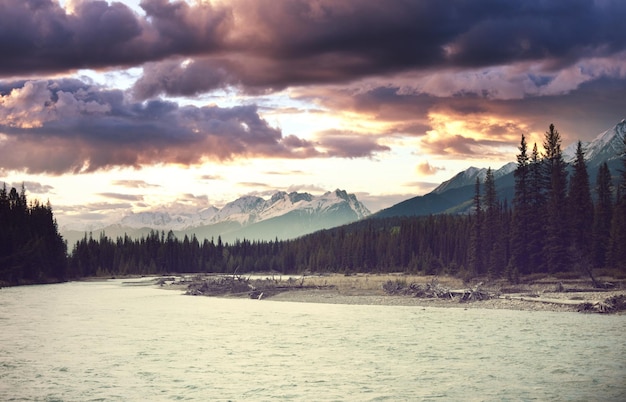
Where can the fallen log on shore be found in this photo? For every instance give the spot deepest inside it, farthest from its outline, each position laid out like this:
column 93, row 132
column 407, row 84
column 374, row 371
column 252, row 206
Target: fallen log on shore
column 543, row 300
column 613, row 304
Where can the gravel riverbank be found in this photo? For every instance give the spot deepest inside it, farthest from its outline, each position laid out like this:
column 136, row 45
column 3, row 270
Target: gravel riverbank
column 418, row 291
column 510, row 302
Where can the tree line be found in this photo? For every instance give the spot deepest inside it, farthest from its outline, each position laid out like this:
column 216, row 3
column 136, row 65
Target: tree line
column 554, row 224
column 31, row 248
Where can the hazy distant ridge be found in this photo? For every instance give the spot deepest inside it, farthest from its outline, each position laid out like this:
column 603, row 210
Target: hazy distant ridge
column 283, row 215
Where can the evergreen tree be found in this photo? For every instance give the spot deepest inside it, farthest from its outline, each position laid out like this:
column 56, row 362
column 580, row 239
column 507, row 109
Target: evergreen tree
column 492, row 233
column 580, row 211
column 522, row 213
column 31, row 248
column 475, row 257
column 557, row 231
column 603, row 214
column 617, row 243
column 537, row 201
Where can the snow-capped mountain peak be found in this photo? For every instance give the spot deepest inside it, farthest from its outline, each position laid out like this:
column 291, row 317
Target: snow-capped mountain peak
column 247, row 210
column 605, row 147
column 469, row 176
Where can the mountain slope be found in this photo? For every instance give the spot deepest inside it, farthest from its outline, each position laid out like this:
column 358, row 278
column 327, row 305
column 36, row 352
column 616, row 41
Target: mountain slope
column 455, row 195
column 606, row 147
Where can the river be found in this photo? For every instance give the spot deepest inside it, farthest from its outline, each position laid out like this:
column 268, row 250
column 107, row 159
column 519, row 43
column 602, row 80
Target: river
column 109, row 341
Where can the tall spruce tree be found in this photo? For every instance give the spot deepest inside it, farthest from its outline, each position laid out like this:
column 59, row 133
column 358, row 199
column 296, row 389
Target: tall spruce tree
column 580, row 210
column 522, row 213
column 492, row 236
column 603, row 214
column 537, row 202
column 475, row 257
column 557, row 229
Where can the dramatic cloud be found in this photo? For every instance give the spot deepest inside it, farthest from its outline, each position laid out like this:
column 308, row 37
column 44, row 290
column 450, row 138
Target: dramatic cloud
column 38, row 36
column 298, row 41
column 426, row 169
column 582, row 112
column 347, row 144
column 66, row 125
column 94, row 85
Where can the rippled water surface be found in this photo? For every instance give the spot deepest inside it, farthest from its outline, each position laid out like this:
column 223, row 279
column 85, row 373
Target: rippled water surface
column 110, row 341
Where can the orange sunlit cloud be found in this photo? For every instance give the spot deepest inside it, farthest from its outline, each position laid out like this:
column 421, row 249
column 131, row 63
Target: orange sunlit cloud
column 426, row 169
column 471, row 137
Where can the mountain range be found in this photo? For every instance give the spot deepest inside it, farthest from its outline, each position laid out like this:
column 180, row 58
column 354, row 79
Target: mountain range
column 290, row 215
column 283, row 216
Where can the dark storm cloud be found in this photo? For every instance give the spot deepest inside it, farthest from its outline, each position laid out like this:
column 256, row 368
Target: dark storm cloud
column 346, row 144
column 66, row 125
column 300, row 42
column 39, row 36
column 266, row 45
column 594, row 107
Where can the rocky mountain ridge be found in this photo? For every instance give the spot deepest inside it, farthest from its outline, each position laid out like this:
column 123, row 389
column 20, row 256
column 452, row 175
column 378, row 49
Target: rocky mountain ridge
column 283, row 215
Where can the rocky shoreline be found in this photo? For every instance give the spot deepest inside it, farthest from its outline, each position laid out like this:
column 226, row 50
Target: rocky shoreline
column 574, row 296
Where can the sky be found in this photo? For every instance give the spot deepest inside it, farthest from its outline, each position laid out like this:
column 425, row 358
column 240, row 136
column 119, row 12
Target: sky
column 108, row 108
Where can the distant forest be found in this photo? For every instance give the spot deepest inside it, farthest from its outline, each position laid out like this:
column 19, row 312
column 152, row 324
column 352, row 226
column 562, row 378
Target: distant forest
column 556, row 224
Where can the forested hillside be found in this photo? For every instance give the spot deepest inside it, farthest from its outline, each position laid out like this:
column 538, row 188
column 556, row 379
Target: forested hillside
column 31, row 249
column 552, row 226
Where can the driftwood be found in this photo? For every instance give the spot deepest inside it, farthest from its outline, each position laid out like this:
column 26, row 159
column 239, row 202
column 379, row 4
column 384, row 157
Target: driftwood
column 237, row 285
column 218, row 285
column 543, row 300
column 434, row 290
column 473, row 294
column 614, row 304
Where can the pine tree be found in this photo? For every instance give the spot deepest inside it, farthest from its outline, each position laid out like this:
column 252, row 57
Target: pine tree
column 522, row 213
column 603, row 214
column 580, row 210
column 557, row 230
